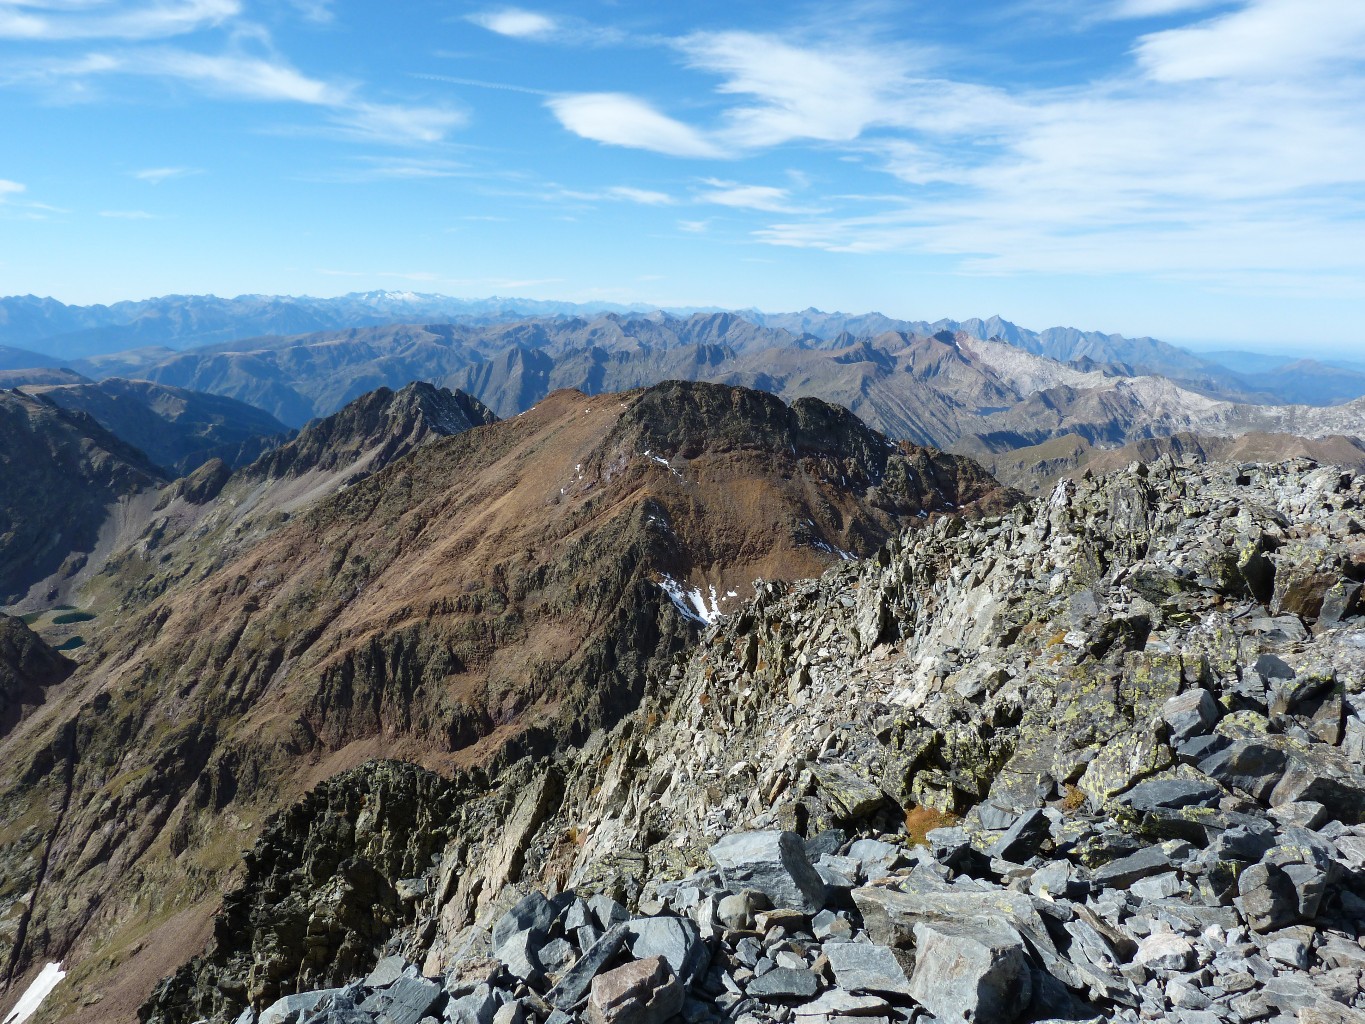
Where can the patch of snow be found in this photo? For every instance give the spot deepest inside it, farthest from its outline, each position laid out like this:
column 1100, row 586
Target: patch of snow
column 691, row 602
column 33, row 997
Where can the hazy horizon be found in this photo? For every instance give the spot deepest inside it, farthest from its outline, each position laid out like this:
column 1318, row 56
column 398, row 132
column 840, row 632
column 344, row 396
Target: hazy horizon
column 1180, row 169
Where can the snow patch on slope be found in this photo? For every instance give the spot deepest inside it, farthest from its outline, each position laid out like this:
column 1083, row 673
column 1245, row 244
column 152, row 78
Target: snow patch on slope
column 34, row 995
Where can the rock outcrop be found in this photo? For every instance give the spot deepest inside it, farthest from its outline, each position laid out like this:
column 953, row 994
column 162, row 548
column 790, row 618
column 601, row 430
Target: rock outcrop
column 1098, row 757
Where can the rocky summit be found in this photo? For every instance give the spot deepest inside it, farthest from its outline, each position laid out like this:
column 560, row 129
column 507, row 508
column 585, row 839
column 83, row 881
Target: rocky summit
column 1098, row 757
column 484, row 600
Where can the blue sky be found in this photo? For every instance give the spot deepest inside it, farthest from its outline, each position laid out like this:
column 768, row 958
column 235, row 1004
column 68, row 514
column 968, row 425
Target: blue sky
column 1190, row 169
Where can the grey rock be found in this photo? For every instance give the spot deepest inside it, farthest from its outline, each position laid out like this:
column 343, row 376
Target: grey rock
column 575, row 983
column 1121, row 873
column 676, row 939
column 775, row 864
column 1165, row 951
column 830, row 841
column 531, row 912
column 974, row 971
column 521, row 954
column 476, row 1007
column 784, row 983
column 386, row 972
column 1290, row 951
column 866, row 967
column 835, row 1004
column 577, row 916
column 737, row 910
column 607, row 911
column 297, row 1005
column 1267, row 898
column 1249, row 765
column 1023, row 838
column 1191, row 713
column 557, row 955
column 875, row 858
column 1157, row 887
column 1172, row 794
column 406, row 1001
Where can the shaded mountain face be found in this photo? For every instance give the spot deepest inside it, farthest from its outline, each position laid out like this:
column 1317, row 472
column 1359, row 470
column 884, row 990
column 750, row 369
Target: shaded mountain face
column 497, row 593
column 380, row 426
column 27, row 667
column 60, row 475
column 207, row 518
column 20, row 359
column 178, row 429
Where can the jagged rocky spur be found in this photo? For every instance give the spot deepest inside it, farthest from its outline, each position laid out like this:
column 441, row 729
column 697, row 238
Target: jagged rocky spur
column 1102, row 757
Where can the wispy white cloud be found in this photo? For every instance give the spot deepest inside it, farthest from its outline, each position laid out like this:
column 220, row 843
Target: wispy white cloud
column 535, row 26
column 268, row 79
column 112, row 20
column 1160, row 8
column 317, row 11
column 1233, row 141
column 623, row 120
column 828, row 93
column 515, row 22
column 643, row 196
column 1265, row 40
column 13, row 205
column 156, row 175
column 747, row 197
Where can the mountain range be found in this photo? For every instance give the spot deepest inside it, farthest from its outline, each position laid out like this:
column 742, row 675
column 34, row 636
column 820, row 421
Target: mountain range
column 55, row 333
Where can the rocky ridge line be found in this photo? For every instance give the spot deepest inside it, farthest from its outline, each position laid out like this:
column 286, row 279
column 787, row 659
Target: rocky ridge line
column 1133, row 710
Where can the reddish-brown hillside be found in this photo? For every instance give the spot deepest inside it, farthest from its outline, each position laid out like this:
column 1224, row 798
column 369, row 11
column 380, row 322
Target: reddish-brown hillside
column 495, row 593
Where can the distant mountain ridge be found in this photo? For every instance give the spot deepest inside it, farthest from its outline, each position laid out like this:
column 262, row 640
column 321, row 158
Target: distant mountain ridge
column 179, row 430
column 184, row 321
column 49, row 332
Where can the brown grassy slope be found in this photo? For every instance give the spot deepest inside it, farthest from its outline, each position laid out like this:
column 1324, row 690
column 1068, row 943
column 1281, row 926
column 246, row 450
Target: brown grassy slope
column 494, row 593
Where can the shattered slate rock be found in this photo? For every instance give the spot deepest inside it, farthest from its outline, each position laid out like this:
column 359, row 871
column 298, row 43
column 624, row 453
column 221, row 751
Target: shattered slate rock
column 775, row 864
column 867, row 967
column 784, row 984
column 973, row 971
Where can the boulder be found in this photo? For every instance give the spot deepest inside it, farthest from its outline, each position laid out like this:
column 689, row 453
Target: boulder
column 1023, row 838
column 775, row 864
column 531, row 912
column 676, row 939
column 784, row 984
column 867, row 967
column 971, row 970
column 1192, row 713
column 1252, row 766
column 406, row 1001
column 848, row 794
column 641, row 992
column 1123, row 762
column 574, row 985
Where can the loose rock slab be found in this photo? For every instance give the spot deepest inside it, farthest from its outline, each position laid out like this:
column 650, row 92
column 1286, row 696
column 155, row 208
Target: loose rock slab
column 642, row 992
column 774, row 863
